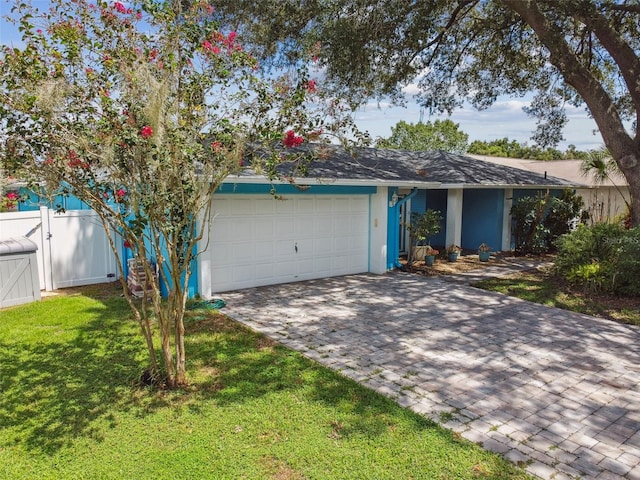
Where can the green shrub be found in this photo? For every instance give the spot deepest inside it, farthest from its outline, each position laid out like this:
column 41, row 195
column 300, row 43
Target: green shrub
column 529, row 232
column 601, row 257
column 563, row 213
column 539, row 221
column 627, row 279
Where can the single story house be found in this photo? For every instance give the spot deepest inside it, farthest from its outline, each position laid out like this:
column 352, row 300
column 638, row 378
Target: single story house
column 344, row 217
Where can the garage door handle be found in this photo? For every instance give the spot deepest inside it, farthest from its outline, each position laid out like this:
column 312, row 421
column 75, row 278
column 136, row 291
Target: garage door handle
column 295, row 247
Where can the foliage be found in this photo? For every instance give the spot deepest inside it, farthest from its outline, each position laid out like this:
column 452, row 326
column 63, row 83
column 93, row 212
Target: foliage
column 483, row 247
column 423, row 226
column 141, row 111
column 430, row 251
column 538, row 221
column 569, row 53
column 602, row 257
column 600, row 166
column 71, row 409
column 440, row 135
column 530, row 234
column 453, row 249
column 513, row 149
column 563, row 214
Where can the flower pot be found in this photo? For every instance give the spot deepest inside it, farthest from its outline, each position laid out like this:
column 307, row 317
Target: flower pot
column 429, row 259
column 452, row 257
column 484, row 256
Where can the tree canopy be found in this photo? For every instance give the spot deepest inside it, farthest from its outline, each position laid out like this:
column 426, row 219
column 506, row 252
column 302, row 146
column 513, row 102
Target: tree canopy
column 568, row 52
column 442, row 135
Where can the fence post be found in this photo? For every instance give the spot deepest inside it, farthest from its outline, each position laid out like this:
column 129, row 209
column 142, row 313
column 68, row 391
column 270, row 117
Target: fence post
column 45, row 231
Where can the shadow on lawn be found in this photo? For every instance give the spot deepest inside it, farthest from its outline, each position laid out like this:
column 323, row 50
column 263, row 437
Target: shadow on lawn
column 56, row 387
column 69, row 382
column 248, row 365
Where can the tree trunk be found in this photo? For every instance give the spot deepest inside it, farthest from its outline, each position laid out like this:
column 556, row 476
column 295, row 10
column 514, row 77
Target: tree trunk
column 624, row 149
column 630, row 165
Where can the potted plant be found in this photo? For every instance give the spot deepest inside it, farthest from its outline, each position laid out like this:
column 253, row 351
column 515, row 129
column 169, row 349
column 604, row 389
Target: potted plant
column 430, row 255
column 421, row 227
column 484, row 252
column 452, row 252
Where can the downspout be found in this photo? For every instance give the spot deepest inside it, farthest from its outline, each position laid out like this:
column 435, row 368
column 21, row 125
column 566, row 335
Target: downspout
column 402, row 201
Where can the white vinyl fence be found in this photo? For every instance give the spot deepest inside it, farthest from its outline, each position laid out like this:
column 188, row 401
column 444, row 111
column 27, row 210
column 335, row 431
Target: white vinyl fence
column 73, row 248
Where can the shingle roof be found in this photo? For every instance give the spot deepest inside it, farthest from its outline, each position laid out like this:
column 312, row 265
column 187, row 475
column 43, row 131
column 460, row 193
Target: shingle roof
column 410, row 168
column 570, row 170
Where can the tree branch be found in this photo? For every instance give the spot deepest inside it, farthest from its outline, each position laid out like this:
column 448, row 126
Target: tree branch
column 578, row 76
column 624, row 56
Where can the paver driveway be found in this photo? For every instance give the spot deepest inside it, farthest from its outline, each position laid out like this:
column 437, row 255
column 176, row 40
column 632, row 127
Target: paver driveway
column 537, row 384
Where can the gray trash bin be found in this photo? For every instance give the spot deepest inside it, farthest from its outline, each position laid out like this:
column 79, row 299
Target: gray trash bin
column 19, row 280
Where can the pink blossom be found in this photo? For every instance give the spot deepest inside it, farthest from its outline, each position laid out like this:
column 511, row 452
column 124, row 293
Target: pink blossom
column 127, row 244
column 216, row 147
column 207, row 45
column 138, row 15
column 291, row 140
column 120, row 7
column 146, row 131
column 311, row 86
column 12, row 196
column 120, row 193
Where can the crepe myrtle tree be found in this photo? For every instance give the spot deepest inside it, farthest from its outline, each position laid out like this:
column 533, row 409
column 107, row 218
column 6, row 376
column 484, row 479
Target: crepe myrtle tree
column 140, row 111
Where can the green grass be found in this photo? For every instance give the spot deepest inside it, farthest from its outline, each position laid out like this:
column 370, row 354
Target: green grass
column 545, row 288
column 70, row 408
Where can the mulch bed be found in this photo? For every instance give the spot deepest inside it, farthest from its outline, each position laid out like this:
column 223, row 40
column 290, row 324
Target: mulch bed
column 466, row 262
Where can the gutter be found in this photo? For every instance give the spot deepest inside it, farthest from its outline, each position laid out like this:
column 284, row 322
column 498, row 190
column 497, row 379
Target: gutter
column 402, row 201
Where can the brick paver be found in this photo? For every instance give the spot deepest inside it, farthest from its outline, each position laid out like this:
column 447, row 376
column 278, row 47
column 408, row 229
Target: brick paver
column 528, row 381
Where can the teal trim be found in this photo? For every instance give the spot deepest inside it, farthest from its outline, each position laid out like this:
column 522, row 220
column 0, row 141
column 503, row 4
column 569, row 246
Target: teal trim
column 265, row 188
column 35, row 201
column 393, row 227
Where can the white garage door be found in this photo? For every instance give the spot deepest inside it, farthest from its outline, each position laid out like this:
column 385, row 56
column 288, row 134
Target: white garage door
column 257, row 240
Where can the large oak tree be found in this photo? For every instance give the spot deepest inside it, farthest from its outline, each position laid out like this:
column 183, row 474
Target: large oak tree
column 569, row 52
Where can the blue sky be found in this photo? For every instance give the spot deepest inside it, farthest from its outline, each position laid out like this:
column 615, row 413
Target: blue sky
column 504, row 119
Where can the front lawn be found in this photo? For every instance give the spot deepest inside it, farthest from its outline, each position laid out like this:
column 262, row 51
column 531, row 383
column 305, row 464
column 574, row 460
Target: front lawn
column 70, row 407
column 544, row 287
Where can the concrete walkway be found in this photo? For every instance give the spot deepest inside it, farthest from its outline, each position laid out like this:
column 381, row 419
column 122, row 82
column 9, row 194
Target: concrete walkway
column 555, row 389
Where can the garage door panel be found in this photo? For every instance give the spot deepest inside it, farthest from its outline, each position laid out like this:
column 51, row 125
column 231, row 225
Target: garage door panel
column 265, row 206
column 264, row 271
column 254, row 238
column 283, row 206
column 264, row 228
column 284, row 248
column 241, row 207
column 264, row 250
column 284, row 226
column 303, row 225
